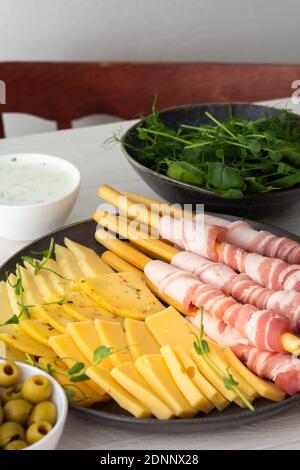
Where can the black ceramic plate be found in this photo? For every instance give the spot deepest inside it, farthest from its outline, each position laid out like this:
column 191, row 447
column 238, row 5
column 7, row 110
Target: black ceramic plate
column 110, row 412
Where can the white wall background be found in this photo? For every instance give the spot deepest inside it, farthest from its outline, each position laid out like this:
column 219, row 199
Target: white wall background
column 170, row 30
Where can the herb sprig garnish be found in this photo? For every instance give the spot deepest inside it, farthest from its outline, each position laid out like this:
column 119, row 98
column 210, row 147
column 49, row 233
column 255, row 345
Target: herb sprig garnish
column 103, row 352
column 39, row 265
column 19, row 291
column 230, row 158
column 75, row 373
column 201, row 347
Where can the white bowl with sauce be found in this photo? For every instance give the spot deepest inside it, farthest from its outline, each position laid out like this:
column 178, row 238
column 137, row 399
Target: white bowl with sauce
column 37, row 194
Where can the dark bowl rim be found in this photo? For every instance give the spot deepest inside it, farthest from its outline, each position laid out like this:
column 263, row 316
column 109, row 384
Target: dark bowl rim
column 248, row 196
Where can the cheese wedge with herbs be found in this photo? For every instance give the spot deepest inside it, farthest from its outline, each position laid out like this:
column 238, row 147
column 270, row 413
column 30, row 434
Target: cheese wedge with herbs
column 84, row 334
column 6, row 351
column 128, row 377
column 38, row 330
column 67, row 350
column 140, row 338
column 89, row 262
column 121, row 396
column 81, row 307
column 264, row 388
column 16, row 339
column 185, row 384
column 67, row 263
column 202, row 383
column 112, row 335
column 84, row 395
column 56, row 317
column 124, row 294
column 154, row 371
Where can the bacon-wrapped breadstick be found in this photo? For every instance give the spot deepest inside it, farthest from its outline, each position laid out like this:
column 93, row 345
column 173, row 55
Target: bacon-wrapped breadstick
column 262, row 328
column 281, row 368
column 238, row 233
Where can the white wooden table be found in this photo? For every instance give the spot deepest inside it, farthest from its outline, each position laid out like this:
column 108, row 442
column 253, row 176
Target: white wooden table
column 83, row 147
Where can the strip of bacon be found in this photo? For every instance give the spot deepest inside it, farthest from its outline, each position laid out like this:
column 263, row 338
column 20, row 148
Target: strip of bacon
column 262, row 328
column 240, row 233
column 203, row 239
column 192, row 235
column 269, row 272
column 281, row 368
column 241, row 287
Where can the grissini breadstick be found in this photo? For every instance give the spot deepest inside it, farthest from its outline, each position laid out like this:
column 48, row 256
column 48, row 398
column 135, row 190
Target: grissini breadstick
column 279, row 329
column 119, row 264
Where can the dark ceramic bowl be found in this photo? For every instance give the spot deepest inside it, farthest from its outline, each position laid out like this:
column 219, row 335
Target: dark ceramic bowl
column 252, row 204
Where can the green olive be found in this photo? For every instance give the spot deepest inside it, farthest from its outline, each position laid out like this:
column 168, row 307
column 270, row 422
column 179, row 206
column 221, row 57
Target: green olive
column 44, row 411
column 10, row 431
column 12, row 393
column 1, row 414
column 18, row 444
column 37, row 431
column 9, row 374
column 17, row 410
column 36, row 389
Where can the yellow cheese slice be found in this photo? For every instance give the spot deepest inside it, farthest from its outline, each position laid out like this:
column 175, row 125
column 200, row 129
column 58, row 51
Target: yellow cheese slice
column 85, row 312
column 124, row 399
column 220, row 360
column 89, row 262
column 202, row 383
column 212, row 376
column 67, row 350
column 264, row 388
column 67, row 263
column 55, row 316
column 125, row 294
column 154, row 371
column 119, row 264
column 140, row 338
column 56, row 279
column 185, row 384
column 112, row 335
column 38, row 330
column 127, row 376
column 6, row 310
column 169, row 327
column 84, row 334
column 6, row 351
column 12, row 296
column 84, row 396
column 42, row 282
column 16, row 339
column 32, row 295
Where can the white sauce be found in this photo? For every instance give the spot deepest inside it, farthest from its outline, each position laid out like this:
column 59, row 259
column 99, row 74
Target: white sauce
column 32, row 180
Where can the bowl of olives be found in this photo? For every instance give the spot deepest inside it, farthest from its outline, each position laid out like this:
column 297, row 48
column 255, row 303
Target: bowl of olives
column 33, row 408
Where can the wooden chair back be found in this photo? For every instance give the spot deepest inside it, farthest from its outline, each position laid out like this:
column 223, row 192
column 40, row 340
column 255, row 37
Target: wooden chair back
column 64, row 91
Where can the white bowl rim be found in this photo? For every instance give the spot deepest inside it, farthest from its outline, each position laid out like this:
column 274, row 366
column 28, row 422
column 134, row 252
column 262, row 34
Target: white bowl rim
column 61, row 160
column 62, row 396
